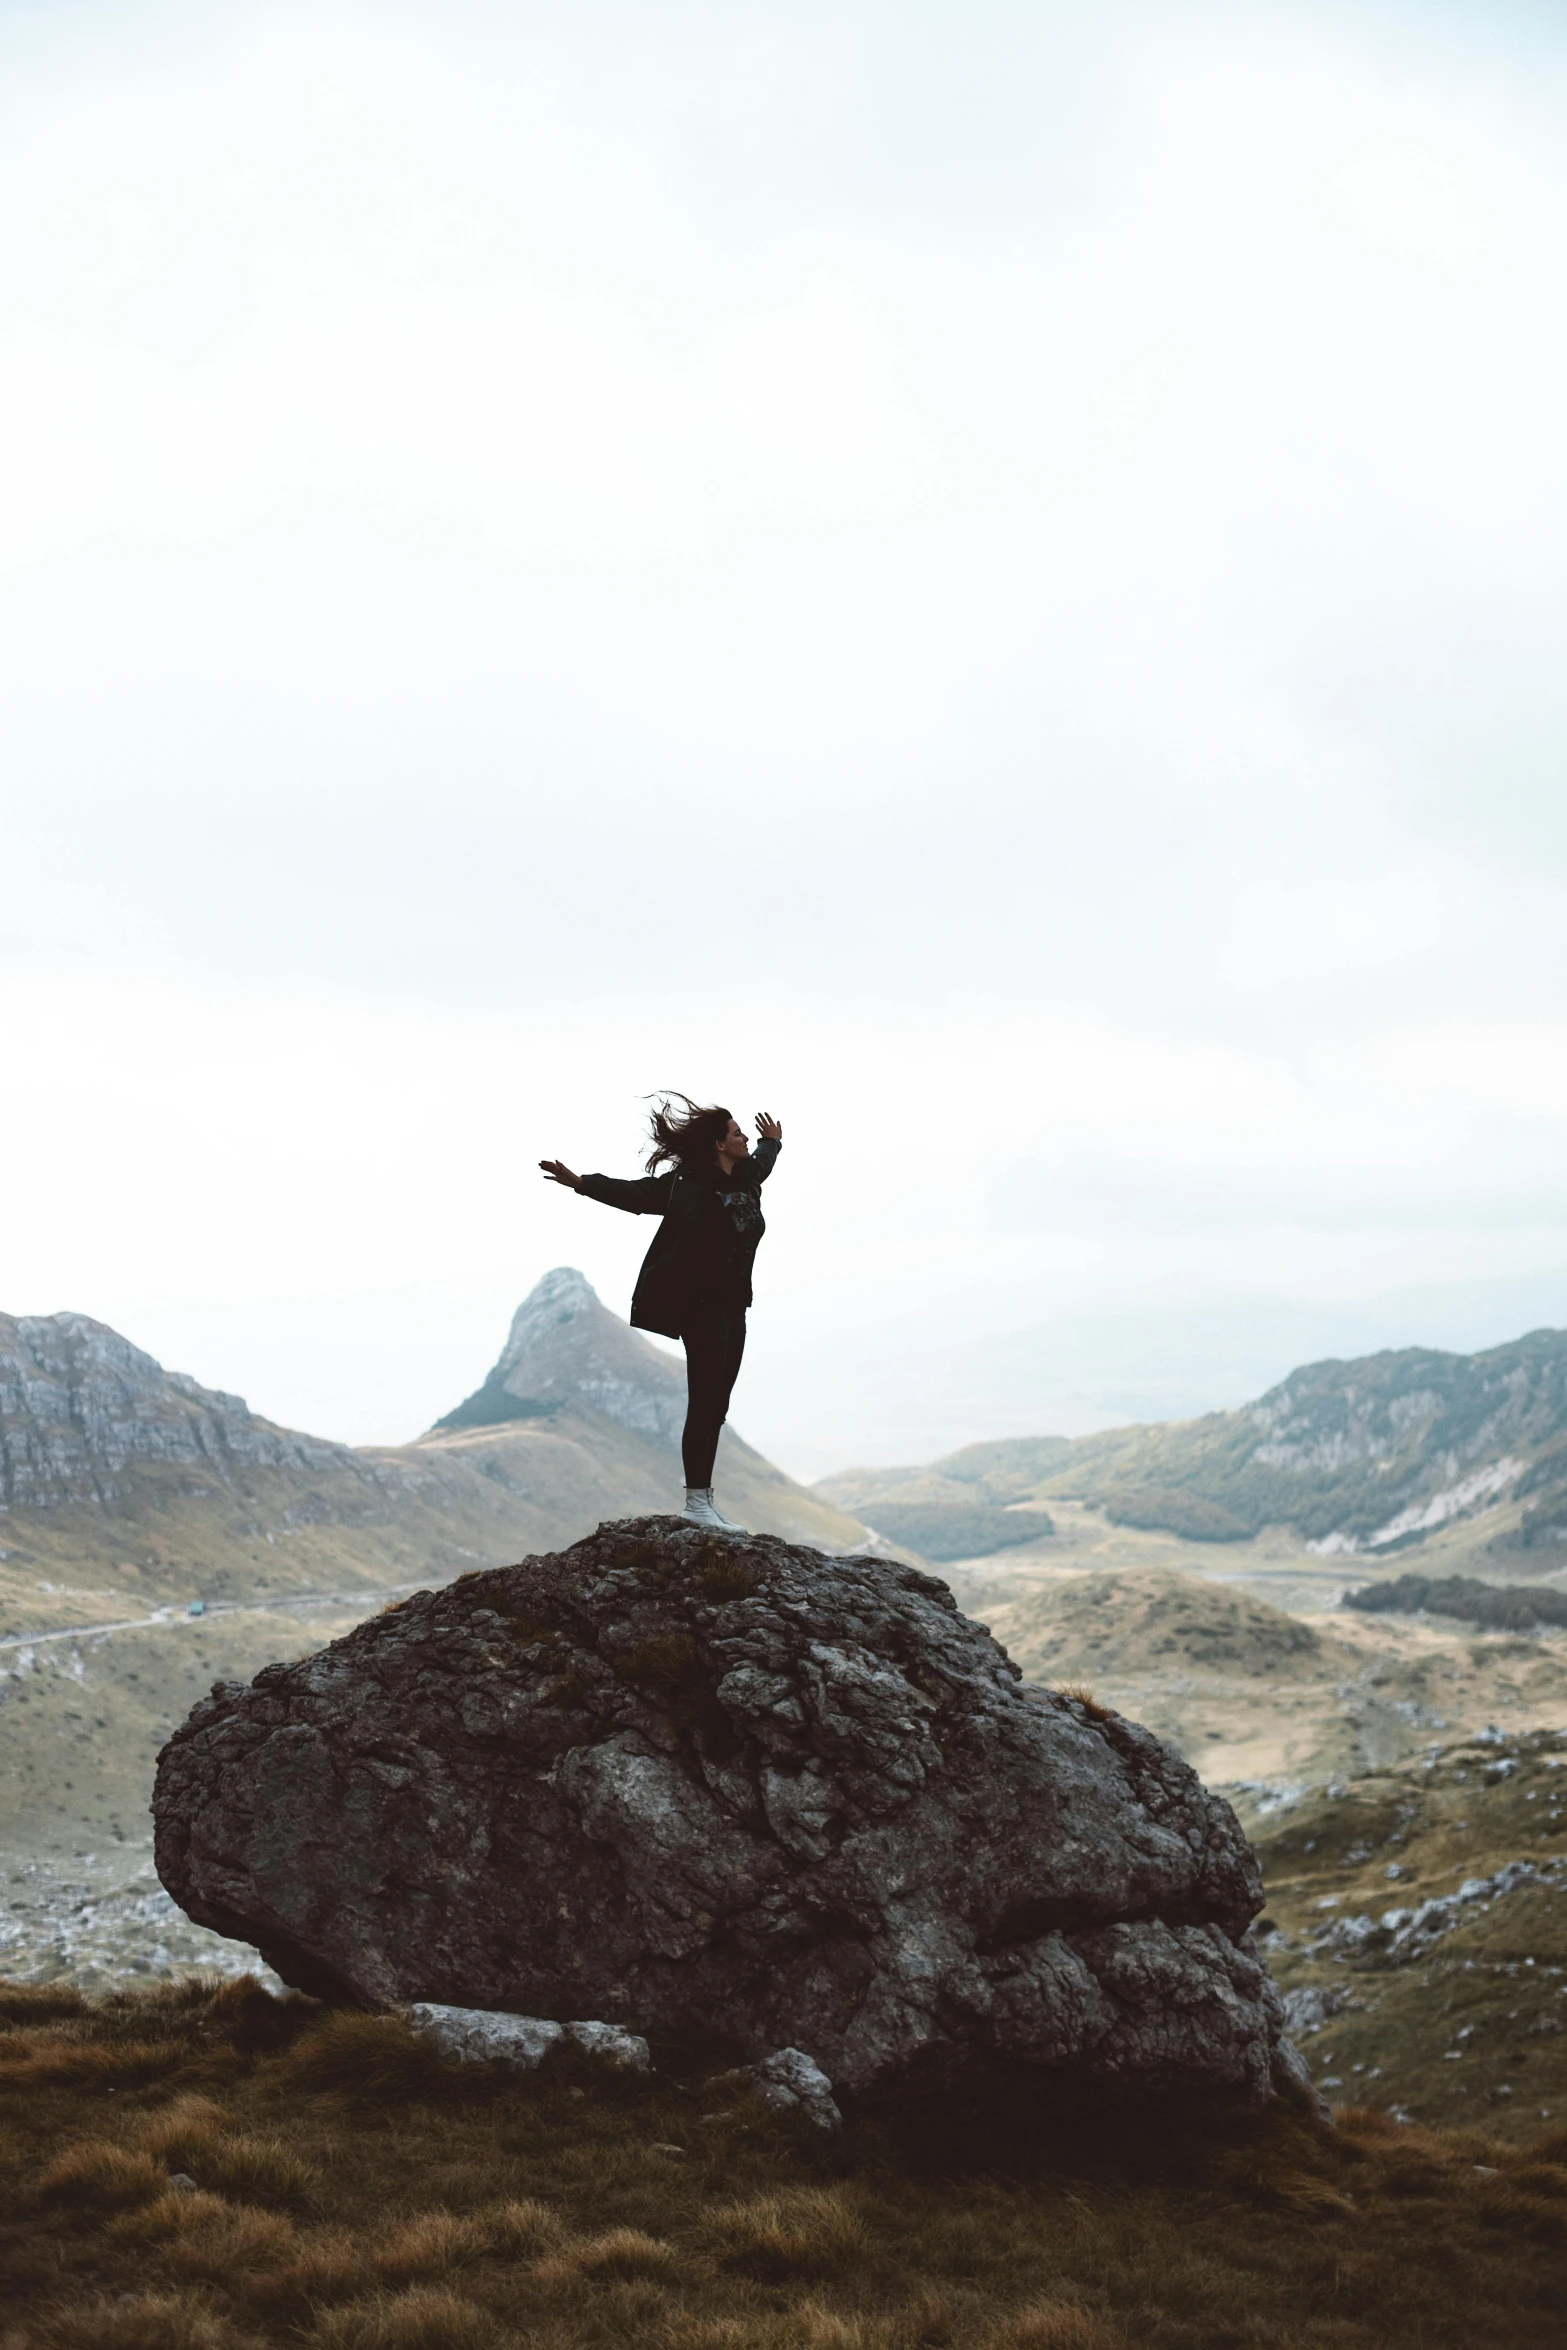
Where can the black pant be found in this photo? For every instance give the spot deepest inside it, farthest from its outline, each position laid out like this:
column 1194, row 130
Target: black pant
column 714, row 1342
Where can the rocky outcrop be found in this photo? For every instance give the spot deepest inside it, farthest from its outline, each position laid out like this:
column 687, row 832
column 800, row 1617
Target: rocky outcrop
column 735, row 1789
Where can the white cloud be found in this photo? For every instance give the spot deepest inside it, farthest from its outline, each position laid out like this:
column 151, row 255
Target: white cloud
column 1002, row 593
column 1351, row 923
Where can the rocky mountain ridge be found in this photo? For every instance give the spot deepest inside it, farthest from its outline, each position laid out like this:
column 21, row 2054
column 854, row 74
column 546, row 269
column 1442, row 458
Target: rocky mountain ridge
column 80, row 1405
column 120, row 1480
column 1361, row 1459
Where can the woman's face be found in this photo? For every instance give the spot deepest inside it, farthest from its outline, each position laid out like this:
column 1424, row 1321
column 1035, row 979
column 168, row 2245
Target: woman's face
column 736, row 1143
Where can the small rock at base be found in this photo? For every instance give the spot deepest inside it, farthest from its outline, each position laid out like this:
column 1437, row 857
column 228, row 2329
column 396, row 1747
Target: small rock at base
column 609, row 2041
column 475, row 2034
column 790, row 2082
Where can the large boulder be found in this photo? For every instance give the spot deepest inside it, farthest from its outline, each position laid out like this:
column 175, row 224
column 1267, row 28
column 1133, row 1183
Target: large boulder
column 733, row 1789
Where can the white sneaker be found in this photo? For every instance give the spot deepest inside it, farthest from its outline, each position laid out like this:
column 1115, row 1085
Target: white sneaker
column 702, row 1510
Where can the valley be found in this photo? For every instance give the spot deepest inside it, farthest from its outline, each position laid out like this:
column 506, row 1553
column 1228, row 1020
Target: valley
column 1242, row 1655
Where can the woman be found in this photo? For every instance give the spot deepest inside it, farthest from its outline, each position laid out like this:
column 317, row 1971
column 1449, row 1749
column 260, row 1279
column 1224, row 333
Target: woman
column 695, row 1282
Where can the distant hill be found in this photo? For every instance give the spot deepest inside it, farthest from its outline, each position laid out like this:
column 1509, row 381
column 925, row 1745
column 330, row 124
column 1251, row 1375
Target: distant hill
column 1360, row 1458
column 122, row 1483
column 1120, row 1626
column 960, row 1507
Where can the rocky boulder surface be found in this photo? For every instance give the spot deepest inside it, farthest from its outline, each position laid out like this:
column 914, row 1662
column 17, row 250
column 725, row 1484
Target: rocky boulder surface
column 737, row 1790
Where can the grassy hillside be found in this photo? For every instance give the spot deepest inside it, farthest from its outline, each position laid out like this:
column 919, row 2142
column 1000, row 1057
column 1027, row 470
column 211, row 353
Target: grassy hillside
column 479, row 1497
column 198, row 2171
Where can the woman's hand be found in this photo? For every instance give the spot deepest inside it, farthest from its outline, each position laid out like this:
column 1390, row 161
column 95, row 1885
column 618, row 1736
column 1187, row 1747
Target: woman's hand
column 557, row 1171
column 768, row 1127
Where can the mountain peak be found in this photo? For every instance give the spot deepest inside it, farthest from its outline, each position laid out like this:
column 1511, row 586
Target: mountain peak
column 560, row 1296
column 566, row 1351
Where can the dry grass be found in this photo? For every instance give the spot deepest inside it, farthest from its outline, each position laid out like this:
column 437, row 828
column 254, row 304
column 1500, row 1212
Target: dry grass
column 430, row 2245
column 62, row 2059
column 353, row 2193
column 804, row 2232
column 99, row 2176
column 424, row 2319
column 1060, row 2325
column 138, row 2321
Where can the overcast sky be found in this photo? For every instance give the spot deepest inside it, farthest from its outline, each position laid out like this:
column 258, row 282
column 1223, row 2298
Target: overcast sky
column 989, row 579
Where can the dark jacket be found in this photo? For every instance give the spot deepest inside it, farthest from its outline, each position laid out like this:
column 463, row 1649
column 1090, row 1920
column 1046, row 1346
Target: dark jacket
column 702, row 1251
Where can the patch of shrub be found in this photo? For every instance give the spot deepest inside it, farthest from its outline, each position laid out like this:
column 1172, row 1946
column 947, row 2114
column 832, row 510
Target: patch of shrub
column 254, row 2020
column 376, row 2057
column 176, row 2208
column 670, row 1670
column 943, row 1530
column 724, row 1573
column 1510, row 1607
column 1171, row 1509
column 1081, row 1695
column 625, row 2252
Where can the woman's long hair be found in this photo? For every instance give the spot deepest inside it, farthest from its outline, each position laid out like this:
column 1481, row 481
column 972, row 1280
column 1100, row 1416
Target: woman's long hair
column 688, row 1140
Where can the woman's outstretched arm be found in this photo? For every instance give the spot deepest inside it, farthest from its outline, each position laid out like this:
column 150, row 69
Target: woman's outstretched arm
column 765, row 1156
column 648, row 1196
